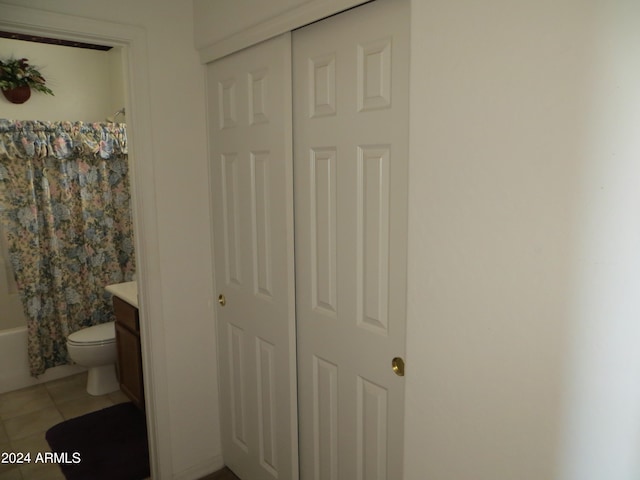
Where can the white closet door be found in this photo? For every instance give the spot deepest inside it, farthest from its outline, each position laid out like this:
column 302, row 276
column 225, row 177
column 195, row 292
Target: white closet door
column 350, row 164
column 252, row 180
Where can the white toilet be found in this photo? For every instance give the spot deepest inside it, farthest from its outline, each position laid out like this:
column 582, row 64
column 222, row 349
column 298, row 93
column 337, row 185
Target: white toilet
column 95, row 348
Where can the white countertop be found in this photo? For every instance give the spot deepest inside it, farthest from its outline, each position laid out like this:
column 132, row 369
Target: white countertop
column 127, row 291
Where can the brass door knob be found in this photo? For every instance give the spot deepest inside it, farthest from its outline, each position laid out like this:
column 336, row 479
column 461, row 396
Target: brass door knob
column 397, row 365
column 222, row 300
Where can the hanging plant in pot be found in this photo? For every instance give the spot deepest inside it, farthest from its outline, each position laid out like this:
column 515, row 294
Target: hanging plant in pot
column 17, row 78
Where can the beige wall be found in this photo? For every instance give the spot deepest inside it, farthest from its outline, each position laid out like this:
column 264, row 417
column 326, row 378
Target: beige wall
column 524, row 241
column 222, row 27
column 212, row 25
column 81, row 80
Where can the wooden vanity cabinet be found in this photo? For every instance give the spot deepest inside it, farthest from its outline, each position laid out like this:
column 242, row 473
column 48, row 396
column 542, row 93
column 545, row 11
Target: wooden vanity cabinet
column 129, row 351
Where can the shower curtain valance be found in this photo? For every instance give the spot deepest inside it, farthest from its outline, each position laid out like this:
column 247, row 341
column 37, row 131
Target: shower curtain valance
column 40, row 139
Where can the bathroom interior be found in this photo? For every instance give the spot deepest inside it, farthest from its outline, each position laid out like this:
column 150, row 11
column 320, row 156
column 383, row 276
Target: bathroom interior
column 89, row 87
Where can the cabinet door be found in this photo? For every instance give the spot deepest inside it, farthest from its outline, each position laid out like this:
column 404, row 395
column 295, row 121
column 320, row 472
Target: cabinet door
column 130, row 365
column 252, row 188
column 351, row 118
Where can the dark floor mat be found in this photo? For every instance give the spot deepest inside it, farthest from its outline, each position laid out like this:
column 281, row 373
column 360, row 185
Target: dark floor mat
column 104, row 445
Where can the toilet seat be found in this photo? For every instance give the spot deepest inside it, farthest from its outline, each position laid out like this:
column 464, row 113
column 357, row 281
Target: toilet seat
column 103, row 334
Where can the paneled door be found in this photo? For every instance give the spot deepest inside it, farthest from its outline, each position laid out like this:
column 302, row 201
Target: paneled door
column 249, row 109
column 350, row 164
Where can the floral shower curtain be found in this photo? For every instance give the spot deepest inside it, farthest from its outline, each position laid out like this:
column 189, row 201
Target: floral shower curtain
column 65, row 206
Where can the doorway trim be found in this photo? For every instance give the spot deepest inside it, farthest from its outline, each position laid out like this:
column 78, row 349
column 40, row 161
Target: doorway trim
column 133, row 41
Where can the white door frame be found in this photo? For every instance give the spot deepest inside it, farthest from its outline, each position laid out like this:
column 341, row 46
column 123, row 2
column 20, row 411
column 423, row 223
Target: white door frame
column 133, row 41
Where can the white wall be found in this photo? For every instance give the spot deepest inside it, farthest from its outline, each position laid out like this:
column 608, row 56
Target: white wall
column 212, row 25
column 81, row 80
column 523, row 359
column 119, row 95
column 178, row 136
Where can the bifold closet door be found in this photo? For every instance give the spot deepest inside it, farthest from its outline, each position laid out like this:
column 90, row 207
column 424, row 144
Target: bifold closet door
column 350, row 164
column 249, row 107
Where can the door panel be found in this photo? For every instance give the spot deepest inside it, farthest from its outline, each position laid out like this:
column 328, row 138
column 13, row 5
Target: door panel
column 350, row 163
column 251, row 173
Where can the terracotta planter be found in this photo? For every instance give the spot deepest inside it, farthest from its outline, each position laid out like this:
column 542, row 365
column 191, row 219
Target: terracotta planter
column 18, row 94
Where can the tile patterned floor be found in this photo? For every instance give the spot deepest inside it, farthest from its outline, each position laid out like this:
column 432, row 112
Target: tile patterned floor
column 25, row 416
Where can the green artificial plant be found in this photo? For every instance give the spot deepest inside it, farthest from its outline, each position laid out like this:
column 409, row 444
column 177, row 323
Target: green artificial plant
column 18, row 73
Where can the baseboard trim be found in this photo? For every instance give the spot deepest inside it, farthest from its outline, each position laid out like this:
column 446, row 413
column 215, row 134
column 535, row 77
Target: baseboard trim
column 209, row 466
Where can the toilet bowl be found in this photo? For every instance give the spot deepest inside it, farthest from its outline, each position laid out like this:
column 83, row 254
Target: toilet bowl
column 95, row 348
